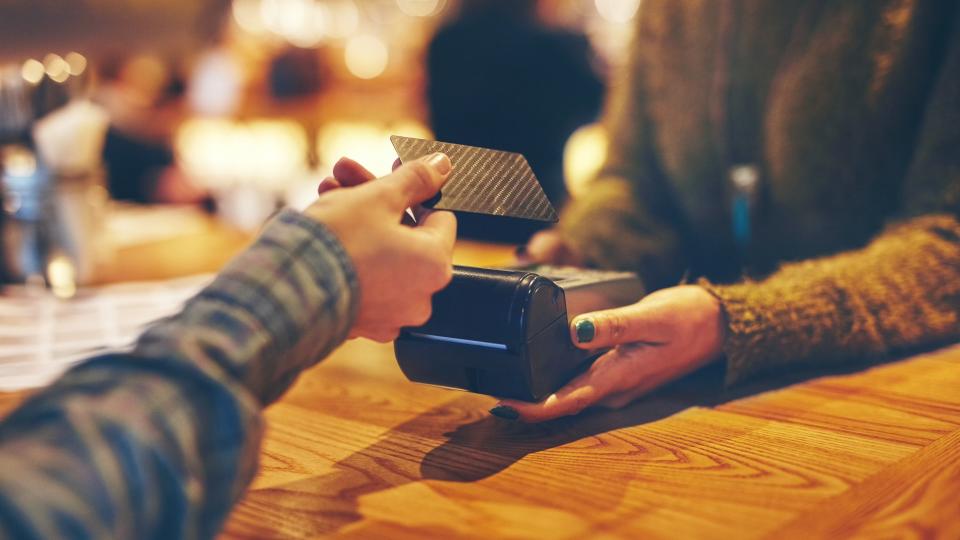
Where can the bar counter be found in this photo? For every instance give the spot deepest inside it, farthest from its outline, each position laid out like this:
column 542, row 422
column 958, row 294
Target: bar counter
column 356, row 451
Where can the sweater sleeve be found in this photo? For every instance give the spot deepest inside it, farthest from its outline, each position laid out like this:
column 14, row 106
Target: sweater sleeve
column 626, row 217
column 900, row 292
column 162, row 441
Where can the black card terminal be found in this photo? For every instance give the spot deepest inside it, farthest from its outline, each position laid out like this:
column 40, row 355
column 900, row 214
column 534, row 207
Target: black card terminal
column 506, row 332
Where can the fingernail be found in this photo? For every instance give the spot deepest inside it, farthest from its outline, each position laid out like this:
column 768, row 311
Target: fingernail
column 440, row 162
column 585, row 330
column 505, row 412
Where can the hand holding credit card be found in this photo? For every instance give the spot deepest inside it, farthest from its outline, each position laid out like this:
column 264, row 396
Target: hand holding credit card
column 483, row 181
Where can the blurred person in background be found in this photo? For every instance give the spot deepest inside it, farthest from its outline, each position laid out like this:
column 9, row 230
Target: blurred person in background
column 296, row 73
column 498, row 77
column 800, row 161
column 144, row 97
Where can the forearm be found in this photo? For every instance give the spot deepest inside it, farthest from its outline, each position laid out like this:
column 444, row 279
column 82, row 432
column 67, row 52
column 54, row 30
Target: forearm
column 275, row 310
column 900, row 292
column 165, row 439
column 626, row 218
column 606, row 229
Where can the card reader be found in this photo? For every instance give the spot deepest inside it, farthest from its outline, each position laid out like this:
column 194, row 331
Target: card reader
column 505, row 332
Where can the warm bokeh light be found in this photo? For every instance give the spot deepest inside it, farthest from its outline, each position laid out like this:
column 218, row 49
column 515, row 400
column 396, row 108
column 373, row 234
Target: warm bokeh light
column 56, row 67
column 62, row 276
column 421, row 8
column 583, row 156
column 366, row 56
column 303, row 23
column 217, row 83
column 367, row 143
column 18, row 161
column 246, row 13
column 32, row 71
column 364, row 142
column 218, row 153
column 344, row 18
column 76, row 63
column 278, row 15
column 617, row 11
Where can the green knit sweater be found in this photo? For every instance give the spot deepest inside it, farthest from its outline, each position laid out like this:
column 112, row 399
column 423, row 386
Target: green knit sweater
column 849, row 114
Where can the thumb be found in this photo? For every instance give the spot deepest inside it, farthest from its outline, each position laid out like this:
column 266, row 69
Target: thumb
column 611, row 327
column 418, row 180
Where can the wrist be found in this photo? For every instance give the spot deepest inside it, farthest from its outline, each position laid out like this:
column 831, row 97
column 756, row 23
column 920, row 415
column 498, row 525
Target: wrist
column 717, row 320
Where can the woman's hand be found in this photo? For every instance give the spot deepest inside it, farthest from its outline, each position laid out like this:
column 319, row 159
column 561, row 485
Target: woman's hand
column 398, row 267
column 662, row 337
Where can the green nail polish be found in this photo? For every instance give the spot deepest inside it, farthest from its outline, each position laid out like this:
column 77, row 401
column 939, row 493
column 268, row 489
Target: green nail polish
column 505, row 412
column 585, row 330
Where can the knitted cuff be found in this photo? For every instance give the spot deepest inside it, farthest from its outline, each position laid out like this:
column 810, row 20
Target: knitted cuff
column 770, row 325
column 743, row 328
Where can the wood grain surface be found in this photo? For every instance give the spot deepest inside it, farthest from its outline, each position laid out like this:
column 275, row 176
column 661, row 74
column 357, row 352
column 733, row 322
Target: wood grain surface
column 356, row 451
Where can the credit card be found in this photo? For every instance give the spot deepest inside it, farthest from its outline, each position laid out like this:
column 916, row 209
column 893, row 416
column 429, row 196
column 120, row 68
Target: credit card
column 483, row 181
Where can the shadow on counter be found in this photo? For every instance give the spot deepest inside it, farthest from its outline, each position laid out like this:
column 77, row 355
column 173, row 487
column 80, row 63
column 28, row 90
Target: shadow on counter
column 503, row 443
column 479, row 449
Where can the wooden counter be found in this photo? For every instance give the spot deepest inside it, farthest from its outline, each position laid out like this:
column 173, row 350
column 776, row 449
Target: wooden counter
column 354, row 450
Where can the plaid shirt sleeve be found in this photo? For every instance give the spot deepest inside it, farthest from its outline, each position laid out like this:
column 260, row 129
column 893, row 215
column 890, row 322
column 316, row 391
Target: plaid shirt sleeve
column 162, row 441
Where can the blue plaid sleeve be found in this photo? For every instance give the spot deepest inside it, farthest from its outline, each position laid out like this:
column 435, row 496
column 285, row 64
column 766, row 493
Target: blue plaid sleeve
column 161, row 442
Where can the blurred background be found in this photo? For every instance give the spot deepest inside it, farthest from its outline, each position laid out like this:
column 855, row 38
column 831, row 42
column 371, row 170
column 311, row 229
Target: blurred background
column 201, row 143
